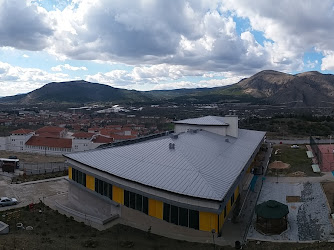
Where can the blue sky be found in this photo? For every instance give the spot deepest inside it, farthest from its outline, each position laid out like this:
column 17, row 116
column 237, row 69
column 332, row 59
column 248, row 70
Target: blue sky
column 149, row 44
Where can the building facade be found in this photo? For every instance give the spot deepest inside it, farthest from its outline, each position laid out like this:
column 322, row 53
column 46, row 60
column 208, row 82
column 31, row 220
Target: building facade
column 191, row 178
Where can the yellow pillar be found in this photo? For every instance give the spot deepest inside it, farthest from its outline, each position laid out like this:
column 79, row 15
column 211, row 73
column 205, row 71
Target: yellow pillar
column 90, row 182
column 70, row 173
column 155, row 208
column 118, row 194
column 208, row 221
column 236, row 193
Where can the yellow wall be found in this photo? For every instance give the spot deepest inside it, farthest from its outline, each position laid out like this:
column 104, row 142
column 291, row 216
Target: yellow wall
column 70, row 173
column 155, row 208
column 228, row 208
column 221, row 219
column 208, row 221
column 236, row 193
column 118, row 194
column 90, row 182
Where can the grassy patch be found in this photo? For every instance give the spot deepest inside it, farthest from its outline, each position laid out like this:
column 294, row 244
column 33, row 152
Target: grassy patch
column 296, row 157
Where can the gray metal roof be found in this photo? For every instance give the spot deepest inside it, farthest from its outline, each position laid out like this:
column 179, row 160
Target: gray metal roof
column 206, row 120
column 203, row 164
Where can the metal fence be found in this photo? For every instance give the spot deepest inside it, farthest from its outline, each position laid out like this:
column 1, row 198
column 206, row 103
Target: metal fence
column 316, row 150
column 42, row 168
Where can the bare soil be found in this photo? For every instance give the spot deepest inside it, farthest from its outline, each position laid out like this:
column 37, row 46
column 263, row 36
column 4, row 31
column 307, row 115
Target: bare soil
column 52, row 230
column 32, row 158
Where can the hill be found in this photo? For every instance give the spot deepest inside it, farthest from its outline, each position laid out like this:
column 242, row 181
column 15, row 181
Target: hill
column 308, row 89
column 77, row 92
column 305, row 89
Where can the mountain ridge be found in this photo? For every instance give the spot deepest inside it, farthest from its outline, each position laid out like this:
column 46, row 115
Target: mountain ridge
column 306, row 89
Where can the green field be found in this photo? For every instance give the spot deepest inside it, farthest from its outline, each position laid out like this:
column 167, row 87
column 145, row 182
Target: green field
column 296, row 157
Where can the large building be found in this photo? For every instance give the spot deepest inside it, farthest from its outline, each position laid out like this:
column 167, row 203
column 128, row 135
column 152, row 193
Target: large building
column 191, row 178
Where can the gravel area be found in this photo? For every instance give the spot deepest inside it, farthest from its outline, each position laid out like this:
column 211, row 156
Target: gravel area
column 308, row 219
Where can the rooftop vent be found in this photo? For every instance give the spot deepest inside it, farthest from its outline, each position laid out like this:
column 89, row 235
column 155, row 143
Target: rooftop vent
column 171, row 145
column 227, row 140
column 174, row 136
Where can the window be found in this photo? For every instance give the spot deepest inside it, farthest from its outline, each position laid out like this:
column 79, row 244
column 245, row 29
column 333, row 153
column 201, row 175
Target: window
column 174, row 217
column 232, row 199
column 194, row 219
column 136, row 201
column 126, row 198
column 183, row 217
column 139, row 202
column 79, row 177
column 166, row 212
column 132, row 200
column 103, row 188
column 224, row 212
column 145, row 205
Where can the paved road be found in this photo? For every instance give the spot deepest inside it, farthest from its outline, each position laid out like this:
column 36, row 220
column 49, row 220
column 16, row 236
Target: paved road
column 33, row 192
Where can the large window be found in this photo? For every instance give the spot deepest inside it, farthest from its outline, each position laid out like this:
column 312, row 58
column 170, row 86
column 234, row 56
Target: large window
column 103, row 188
column 181, row 216
column 136, row 201
column 79, row 177
column 232, row 199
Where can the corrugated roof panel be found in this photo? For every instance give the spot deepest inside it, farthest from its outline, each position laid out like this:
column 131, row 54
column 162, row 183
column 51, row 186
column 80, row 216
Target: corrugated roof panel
column 202, row 164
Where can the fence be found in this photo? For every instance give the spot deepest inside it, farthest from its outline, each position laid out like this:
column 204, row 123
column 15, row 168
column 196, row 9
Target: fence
column 43, row 168
column 316, row 150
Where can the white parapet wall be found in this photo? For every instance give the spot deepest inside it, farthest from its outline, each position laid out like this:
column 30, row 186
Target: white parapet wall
column 4, row 228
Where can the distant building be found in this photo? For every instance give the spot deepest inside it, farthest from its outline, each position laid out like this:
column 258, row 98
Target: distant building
column 191, row 178
column 51, row 141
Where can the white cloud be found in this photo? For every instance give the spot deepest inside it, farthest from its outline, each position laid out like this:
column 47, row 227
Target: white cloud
column 328, row 61
column 163, row 76
column 59, row 68
column 167, row 41
column 24, row 25
column 293, row 26
column 15, row 80
column 25, row 56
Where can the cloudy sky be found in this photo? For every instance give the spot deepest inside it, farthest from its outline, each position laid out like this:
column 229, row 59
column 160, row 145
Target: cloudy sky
column 159, row 44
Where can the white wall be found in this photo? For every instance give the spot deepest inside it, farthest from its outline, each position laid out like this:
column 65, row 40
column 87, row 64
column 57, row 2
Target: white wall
column 17, row 142
column 220, row 130
column 233, row 128
column 80, row 144
column 47, row 150
column 4, row 143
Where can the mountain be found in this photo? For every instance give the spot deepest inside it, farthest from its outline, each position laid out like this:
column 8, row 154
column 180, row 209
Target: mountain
column 77, row 92
column 308, row 89
column 304, row 89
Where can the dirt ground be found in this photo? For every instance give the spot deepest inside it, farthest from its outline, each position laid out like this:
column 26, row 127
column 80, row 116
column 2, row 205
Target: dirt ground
column 52, row 230
column 32, row 158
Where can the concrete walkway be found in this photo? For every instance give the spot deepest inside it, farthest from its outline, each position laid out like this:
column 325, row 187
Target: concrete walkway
column 49, row 191
column 326, row 176
column 237, row 231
